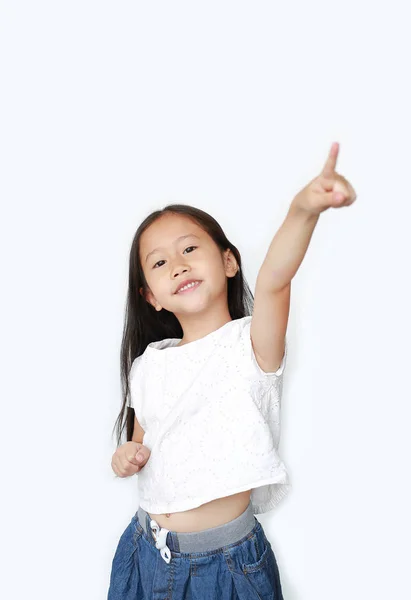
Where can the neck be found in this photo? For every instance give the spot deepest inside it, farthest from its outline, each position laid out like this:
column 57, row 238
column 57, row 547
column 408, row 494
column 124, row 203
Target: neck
column 196, row 326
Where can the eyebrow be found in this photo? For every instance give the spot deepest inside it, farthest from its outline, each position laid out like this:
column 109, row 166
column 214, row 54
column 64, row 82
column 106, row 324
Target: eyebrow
column 182, row 237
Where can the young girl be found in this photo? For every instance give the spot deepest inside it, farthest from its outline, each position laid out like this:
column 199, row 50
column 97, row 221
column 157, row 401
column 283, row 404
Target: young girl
column 203, row 369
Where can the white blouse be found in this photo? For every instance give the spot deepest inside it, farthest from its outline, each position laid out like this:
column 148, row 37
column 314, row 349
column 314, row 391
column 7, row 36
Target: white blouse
column 211, row 418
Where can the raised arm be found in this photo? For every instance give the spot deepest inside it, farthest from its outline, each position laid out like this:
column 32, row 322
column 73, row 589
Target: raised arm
column 284, row 257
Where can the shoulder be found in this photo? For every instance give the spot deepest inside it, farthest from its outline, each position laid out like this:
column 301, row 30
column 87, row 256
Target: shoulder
column 136, row 368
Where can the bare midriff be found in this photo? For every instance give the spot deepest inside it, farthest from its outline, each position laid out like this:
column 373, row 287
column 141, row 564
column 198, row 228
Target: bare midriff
column 211, row 514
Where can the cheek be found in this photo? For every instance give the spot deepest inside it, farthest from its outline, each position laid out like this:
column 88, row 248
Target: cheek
column 161, row 286
column 218, row 275
column 153, row 283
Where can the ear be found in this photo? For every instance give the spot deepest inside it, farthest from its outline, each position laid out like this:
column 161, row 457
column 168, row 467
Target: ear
column 230, row 263
column 149, row 297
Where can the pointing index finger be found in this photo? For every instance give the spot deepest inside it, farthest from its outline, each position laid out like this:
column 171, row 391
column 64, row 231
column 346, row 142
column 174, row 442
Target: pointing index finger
column 331, row 162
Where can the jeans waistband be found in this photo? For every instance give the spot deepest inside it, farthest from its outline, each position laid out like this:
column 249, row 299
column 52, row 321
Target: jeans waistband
column 198, row 541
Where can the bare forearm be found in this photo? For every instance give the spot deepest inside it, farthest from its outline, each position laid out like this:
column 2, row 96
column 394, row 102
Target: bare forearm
column 287, row 249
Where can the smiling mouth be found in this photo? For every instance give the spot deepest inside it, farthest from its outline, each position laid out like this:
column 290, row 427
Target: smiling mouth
column 190, row 288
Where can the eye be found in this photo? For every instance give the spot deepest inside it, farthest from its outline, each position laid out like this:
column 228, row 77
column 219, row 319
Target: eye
column 154, row 266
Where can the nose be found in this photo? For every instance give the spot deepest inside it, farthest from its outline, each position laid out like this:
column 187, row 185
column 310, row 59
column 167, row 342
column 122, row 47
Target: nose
column 177, row 270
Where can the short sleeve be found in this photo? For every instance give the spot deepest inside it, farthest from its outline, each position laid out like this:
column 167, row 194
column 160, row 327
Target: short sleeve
column 136, row 388
column 264, row 388
column 250, row 361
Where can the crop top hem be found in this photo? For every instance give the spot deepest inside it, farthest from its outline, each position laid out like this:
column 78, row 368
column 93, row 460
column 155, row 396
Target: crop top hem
column 281, row 492
column 281, row 482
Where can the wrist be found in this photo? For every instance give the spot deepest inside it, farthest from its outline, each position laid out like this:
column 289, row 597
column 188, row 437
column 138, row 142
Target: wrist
column 301, row 211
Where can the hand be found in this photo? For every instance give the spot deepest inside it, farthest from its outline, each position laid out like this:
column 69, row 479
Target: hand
column 125, row 461
column 327, row 190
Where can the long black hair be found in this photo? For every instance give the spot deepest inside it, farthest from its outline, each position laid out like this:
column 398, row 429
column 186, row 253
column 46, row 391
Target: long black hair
column 143, row 324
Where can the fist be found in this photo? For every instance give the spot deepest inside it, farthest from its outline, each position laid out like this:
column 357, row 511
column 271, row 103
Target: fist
column 129, row 458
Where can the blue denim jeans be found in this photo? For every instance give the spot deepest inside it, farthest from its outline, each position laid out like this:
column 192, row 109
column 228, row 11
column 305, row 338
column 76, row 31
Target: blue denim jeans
column 231, row 561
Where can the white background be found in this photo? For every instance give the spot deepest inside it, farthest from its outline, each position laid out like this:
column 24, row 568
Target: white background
column 110, row 110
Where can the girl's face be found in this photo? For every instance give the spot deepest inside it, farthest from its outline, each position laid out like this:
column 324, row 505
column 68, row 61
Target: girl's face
column 173, row 249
